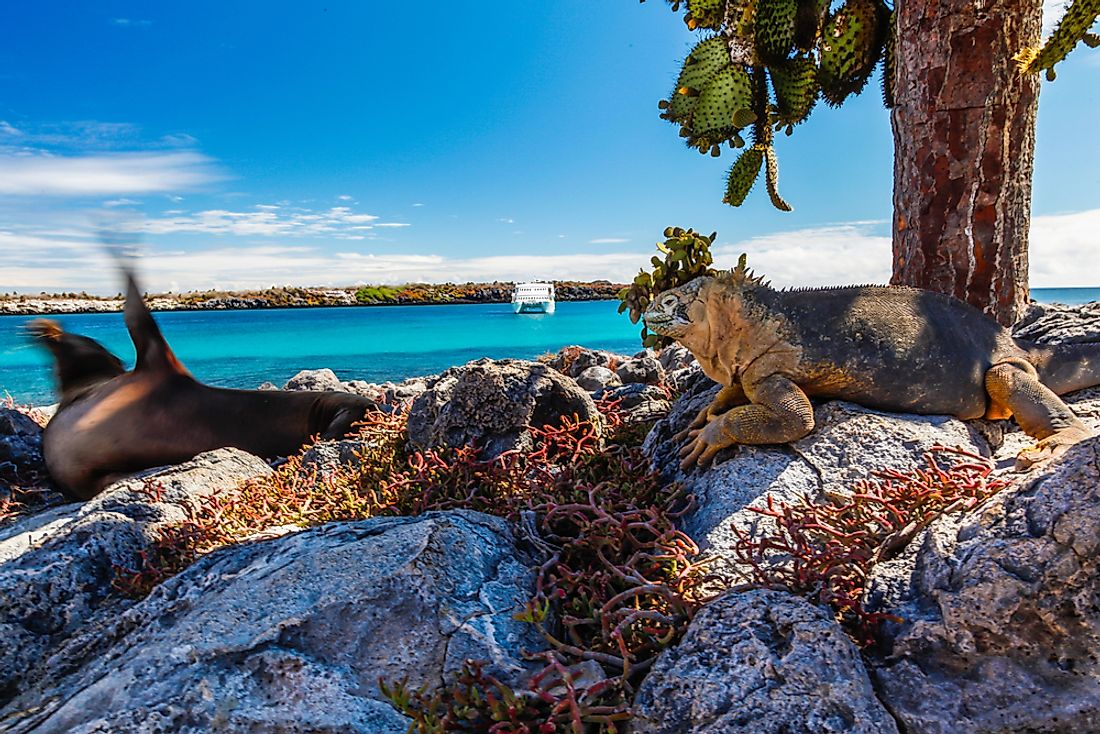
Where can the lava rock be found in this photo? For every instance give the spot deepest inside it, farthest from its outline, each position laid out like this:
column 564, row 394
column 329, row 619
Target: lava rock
column 492, row 404
column 760, row 662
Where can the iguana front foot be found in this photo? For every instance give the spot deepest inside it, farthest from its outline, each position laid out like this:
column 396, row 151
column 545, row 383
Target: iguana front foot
column 728, row 397
column 780, row 412
column 703, row 445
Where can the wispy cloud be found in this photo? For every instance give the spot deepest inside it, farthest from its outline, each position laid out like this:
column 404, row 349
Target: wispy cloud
column 262, row 220
column 131, row 22
column 608, row 241
column 111, row 174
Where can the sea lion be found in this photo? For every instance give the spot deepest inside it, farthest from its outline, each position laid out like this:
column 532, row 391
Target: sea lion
column 111, row 422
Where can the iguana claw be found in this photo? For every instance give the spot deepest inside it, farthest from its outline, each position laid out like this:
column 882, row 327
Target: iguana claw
column 703, row 445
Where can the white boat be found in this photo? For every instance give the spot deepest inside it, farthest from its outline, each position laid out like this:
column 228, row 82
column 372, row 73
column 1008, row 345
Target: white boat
column 533, row 297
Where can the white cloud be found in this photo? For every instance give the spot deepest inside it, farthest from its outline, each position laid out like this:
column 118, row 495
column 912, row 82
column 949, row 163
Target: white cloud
column 131, row 22
column 1063, row 251
column 828, row 255
column 103, row 174
column 1062, row 254
column 6, row 128
column 606, row 240
column 345, row 197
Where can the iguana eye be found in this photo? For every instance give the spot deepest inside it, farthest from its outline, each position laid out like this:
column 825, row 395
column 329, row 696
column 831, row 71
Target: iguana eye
column 669, row 301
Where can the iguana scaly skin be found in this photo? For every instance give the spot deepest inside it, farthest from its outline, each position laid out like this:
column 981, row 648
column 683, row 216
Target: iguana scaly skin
column 891, row 348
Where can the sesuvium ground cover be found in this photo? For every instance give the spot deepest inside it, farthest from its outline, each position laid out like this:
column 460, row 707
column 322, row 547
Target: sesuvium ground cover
column 618, row 582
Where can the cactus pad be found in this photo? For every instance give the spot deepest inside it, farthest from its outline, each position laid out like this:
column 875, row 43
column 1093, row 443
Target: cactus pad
column 795, row 85
column 700, row 66
column 773, row 29
column 851, row 45
column 807, row 23
column 743, row 175
column 889, row 62
column 727, row 94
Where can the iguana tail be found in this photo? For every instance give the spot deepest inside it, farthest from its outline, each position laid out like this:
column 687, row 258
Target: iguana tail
column 1066, row 367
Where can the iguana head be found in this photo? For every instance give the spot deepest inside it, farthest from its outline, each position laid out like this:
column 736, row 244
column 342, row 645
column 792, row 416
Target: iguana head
column 676, row 311
column 673, row 312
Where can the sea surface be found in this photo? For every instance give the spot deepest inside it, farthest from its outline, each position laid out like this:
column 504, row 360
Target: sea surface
column 244, row 349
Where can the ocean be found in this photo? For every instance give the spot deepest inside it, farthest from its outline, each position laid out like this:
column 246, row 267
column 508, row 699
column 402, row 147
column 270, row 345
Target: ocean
column 244, row 349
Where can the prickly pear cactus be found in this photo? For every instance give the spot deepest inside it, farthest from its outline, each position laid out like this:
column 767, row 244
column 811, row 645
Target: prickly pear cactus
column 852, row 43
column 1072, row 28
column 686, row 257
column 766, row 68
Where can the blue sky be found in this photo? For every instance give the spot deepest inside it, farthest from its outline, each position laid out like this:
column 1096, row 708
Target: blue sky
column 342, row 142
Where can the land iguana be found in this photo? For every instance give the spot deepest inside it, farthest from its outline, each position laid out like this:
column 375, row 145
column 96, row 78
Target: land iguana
column 886, row 347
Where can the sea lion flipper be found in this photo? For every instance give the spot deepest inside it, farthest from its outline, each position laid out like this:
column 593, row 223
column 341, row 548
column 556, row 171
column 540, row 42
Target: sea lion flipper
column 153, row 352
column 79, row 362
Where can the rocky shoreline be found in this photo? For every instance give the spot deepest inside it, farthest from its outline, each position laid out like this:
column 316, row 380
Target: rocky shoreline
column 405, row 295
column 983, row 607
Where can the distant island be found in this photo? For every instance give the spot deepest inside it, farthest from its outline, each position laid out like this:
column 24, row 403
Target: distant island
column 412, row 294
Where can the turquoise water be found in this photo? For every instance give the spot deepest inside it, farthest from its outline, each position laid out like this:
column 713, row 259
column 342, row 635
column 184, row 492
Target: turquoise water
column 246, row 348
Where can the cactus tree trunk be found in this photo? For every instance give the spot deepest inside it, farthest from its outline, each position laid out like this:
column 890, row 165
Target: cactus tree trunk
column 964, row 139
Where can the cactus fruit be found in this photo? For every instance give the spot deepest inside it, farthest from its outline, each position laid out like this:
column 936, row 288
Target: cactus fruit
column 727, row 93
column 773, row 29
column 795, row 84
column 771, row 176
column 705, row 14
column 743, row 175
column 1073, row 27
column 700, row 66
column 851, row 44
column 807, row 23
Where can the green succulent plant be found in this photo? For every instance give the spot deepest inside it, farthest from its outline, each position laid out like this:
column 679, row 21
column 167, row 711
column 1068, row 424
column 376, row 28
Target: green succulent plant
column 686, row 257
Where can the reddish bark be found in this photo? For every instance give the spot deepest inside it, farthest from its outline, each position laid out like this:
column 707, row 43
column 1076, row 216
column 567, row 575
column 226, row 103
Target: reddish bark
column 964, row 140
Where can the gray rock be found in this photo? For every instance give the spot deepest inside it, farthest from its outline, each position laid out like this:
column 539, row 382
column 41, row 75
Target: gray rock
column 848, row 443
column 638, row 403
column 366, row 389
column 326, row 456
column 574, row 360
column 1048, row 323
column 401, row 393
column 56, row 566
column 760, row 662
column 321, row 380
column 293, row 634
column 644, row 369
column 1001, row 619
column 597, row 378
column 492, row 404
column 683, row 377
column 21, row 462
column 268, row 386
column 674, row 357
